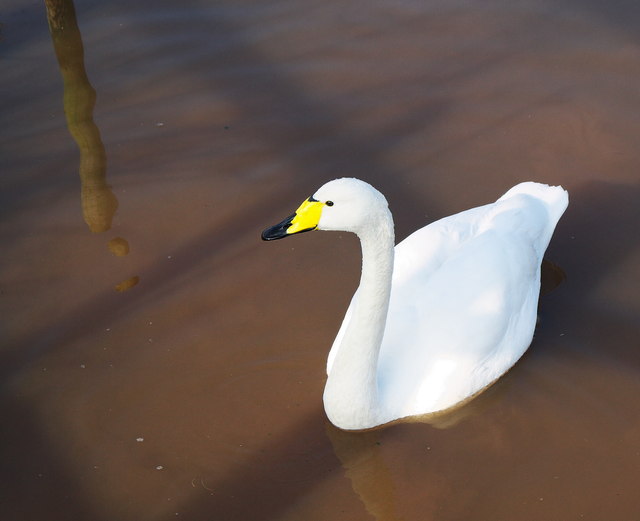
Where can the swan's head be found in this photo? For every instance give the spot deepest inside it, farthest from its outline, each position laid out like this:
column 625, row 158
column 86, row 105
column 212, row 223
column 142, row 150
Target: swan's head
column 345, row 204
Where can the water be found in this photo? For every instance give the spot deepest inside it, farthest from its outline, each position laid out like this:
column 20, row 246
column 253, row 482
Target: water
column 160, row 362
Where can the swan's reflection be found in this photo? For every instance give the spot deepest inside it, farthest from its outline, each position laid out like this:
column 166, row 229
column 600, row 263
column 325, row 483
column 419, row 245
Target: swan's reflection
column 551, row 276
column 361, row 457
column 361, row 453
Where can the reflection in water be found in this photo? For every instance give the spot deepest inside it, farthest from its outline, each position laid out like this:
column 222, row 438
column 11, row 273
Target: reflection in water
column 127, row 284
column 360, row 452
column 551, row 276
column 119, row 247
column 98, row 202
column 360, row 455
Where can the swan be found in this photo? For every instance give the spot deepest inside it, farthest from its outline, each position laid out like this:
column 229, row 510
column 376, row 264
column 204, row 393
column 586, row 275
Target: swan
column 440, row 316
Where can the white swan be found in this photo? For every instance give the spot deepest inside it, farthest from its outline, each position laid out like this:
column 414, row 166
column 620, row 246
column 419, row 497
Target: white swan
column 442, row 315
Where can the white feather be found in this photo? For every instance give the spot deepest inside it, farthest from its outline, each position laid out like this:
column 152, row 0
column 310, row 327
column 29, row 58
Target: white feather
column 443, row 314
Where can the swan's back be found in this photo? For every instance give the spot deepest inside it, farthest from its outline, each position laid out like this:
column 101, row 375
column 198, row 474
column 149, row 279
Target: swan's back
column 463, row 300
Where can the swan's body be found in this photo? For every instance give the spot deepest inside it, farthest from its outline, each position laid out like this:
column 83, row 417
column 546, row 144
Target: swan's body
column 443, row 314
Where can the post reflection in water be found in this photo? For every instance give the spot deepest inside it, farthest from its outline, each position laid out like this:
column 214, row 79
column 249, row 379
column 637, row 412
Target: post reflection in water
column 99, row 204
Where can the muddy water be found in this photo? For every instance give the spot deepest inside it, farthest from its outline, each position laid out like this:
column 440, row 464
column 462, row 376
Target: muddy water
column 160, row 362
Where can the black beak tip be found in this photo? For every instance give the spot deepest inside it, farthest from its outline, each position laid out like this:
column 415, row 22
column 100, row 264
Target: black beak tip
column 278, row 231
column 269, row 235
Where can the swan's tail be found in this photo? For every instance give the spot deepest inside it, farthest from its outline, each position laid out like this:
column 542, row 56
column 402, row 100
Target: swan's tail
column 556, row 198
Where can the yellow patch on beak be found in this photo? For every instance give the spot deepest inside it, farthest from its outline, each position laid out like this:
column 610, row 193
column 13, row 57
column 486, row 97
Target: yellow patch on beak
column 307, row 217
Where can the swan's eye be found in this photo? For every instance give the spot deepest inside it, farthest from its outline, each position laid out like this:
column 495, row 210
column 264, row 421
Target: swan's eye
column 329, row 203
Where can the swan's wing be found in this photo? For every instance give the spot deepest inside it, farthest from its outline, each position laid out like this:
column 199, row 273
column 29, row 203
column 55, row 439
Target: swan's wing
column 422, row 251
column 463, row 300
column 455, row 331
column 457, row 325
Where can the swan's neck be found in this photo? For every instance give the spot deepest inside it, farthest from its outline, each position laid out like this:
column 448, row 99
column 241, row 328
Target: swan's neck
column 351, row 394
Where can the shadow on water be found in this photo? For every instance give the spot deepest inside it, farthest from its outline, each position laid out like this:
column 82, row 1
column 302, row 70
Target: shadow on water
column 26, row 452
column 624, row 14
column 600, row 224
column 273, row 88
column 600, row 236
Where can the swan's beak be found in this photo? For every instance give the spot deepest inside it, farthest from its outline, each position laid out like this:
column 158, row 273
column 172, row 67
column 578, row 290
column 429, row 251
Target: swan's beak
column 305, row 219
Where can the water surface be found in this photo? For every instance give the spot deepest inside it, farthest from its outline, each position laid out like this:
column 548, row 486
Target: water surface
column 160, row 362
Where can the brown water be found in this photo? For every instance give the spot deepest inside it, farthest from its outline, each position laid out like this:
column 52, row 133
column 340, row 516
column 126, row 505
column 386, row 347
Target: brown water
column 160, row 362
